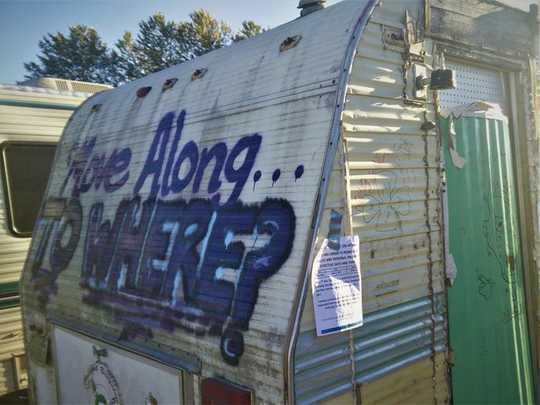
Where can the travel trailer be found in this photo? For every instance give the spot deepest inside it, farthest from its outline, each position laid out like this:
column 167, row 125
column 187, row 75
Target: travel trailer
column 32, row 117
column 196, row 220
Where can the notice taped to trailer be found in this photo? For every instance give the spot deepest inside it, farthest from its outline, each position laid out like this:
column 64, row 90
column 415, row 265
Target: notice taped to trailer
column 337, row 286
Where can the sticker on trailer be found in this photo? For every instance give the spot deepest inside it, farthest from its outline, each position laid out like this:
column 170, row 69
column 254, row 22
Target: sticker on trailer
column 94, row 373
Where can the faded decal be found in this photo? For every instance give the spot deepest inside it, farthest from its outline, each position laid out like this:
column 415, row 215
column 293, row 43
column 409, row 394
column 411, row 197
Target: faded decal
column 100, row 381
column 158, row 260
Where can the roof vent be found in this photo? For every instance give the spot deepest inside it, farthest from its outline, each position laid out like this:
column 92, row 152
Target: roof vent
column 66, row 85
column 309, row 6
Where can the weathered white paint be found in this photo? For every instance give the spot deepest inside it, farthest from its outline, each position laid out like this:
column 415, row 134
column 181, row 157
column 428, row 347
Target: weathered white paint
column 385, row 181
column 287, row 97
column 137, row 380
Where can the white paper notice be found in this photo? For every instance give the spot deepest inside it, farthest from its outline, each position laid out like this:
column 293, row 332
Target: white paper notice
column 337, row 286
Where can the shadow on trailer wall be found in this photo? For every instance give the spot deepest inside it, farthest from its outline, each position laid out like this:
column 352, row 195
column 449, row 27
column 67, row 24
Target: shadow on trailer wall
column 32, row 118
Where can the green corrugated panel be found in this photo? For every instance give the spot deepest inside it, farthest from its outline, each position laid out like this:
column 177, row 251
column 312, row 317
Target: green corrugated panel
column 9, row 295
column 9, row 288
column 487, row 314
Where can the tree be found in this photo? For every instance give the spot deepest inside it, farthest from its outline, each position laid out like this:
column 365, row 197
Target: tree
column 204, row 33
column 81, row 55
column 159, row 44
column 249, row 29
column 125, row 60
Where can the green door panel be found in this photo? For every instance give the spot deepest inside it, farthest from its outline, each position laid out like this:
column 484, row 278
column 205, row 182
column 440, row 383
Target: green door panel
column 487, row 314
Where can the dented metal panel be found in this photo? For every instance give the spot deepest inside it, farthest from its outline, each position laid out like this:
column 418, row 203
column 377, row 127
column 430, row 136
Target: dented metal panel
column 390, row 339
column 236, row 146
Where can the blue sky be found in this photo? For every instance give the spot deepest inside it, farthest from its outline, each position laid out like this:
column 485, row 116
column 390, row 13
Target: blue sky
column 24, row 22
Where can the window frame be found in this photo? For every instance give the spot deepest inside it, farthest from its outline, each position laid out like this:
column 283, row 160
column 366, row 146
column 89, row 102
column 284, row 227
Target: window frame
column 4, row 173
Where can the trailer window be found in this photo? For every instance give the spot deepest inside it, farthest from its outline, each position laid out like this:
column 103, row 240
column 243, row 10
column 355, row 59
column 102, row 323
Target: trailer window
column 25, row 171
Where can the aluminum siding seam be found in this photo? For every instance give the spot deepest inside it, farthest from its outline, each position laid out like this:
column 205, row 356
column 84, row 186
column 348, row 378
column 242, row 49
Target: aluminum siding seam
column 335, row 133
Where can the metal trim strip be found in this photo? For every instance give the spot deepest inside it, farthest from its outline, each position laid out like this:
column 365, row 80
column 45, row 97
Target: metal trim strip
column 335, row 134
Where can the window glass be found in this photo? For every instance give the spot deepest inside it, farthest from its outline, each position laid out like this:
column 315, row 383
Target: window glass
column 25, row 171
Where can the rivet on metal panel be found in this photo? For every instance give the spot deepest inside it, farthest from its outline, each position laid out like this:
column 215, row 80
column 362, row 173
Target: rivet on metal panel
column 289, row 43
column 143, row 91
column 169, row 84
column 95, row 108
column 199, row 73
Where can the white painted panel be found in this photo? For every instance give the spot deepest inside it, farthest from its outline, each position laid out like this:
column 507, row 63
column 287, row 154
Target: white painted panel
column 85, row 377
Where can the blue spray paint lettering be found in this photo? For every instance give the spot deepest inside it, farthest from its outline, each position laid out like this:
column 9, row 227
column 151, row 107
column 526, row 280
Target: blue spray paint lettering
column 88, row 168
column 165, row 260
column 189, row 165
column 61, row 235
column 195, row 264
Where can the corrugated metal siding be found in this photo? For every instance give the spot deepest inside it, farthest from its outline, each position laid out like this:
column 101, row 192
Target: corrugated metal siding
column 398, row 336
column 11, row 333
column 423, row 382
column 394, row 182
column 390, row 339
column 11, row 347
column 19, row 123
column 34, row 115
column 7, row 380
column 288, row 98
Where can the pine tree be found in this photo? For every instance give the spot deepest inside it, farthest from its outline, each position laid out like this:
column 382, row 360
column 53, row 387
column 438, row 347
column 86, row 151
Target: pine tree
column 81, row 55
column 160, row 43
column 249, row 29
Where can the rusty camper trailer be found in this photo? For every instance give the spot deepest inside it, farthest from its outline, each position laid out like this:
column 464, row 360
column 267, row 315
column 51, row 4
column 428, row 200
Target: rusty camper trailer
column 172, row 258
column 32, row 117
